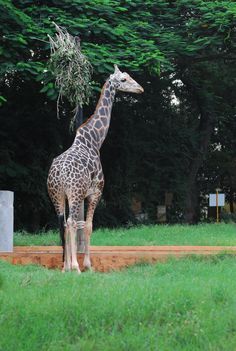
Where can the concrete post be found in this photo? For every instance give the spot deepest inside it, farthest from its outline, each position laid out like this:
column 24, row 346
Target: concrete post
column 80, row 232
column 6, row 221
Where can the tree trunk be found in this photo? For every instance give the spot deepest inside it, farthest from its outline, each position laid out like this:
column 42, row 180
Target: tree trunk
column 191, row 213
column 205, row 129
column 231, row 195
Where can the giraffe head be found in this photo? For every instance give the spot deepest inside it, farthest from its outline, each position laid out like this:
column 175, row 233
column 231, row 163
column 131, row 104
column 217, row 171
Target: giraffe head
column 123, row 82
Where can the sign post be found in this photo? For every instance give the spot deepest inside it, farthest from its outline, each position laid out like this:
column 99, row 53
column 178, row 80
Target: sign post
column 217, row 200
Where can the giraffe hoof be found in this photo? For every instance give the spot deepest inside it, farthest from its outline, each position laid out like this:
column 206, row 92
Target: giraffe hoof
column 76, row 269
column 87, row 263
column 89, row 269
column 65, row 269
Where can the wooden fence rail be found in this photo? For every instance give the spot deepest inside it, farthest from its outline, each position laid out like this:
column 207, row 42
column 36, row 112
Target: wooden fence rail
column 108, row 258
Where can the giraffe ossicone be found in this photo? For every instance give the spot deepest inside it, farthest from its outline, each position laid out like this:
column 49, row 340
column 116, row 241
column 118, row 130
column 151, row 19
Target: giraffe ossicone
column 77, row 174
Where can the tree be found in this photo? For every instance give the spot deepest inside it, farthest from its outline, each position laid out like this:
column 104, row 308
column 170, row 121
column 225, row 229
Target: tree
column 203, row 45
column 179, row 51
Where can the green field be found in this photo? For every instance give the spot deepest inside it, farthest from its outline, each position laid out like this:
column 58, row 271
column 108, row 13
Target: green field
column 180, row 305
column 202, row 234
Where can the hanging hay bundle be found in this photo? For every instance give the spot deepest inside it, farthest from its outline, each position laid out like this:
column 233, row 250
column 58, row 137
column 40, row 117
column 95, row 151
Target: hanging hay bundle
column 70, row 67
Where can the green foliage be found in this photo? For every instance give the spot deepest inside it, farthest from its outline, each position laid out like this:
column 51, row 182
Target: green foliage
column 2, row 100
column 182, row 52
column 134, row 36
column 29, row 50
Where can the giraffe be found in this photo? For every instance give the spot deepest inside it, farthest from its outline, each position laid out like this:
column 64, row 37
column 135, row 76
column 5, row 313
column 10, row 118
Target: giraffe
column 77, row 173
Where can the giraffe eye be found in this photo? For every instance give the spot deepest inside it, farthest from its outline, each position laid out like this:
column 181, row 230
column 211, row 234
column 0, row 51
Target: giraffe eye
column 123, row 80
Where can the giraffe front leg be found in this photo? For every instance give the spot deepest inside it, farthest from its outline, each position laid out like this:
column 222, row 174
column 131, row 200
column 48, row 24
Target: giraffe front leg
column 87, row 233
column 73, row 244
column 93, row 200
column 70, row 257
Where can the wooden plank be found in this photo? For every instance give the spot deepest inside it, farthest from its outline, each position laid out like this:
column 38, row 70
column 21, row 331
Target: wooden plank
column 107, row 258
column 126, row 248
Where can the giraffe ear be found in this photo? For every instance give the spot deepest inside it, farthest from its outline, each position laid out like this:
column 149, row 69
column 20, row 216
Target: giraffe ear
column 116, row 69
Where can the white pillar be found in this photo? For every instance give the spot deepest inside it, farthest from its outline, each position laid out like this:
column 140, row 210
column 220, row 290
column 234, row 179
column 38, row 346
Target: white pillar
column 6, row 221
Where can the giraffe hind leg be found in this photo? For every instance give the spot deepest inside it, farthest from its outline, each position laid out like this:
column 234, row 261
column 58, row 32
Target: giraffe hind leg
column 67, row 253
column 61, row 222
column 58, row 201
column 73, row 223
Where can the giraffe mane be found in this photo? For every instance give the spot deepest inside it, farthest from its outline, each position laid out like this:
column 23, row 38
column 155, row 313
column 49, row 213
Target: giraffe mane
column 99, row 101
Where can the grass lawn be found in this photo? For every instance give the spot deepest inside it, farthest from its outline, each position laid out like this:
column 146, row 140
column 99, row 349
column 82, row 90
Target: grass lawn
column 202, row 234
column 180, row 305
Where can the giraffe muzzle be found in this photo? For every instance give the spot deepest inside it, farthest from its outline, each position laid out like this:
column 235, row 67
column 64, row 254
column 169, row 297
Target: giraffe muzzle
column 140, row 90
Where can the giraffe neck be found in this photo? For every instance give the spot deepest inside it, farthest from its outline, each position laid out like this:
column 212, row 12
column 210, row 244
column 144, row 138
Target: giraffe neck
column 98, row 124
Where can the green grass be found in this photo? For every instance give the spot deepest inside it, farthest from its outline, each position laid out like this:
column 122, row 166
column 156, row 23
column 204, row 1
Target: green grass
column 202, row 234
column 180, row 305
